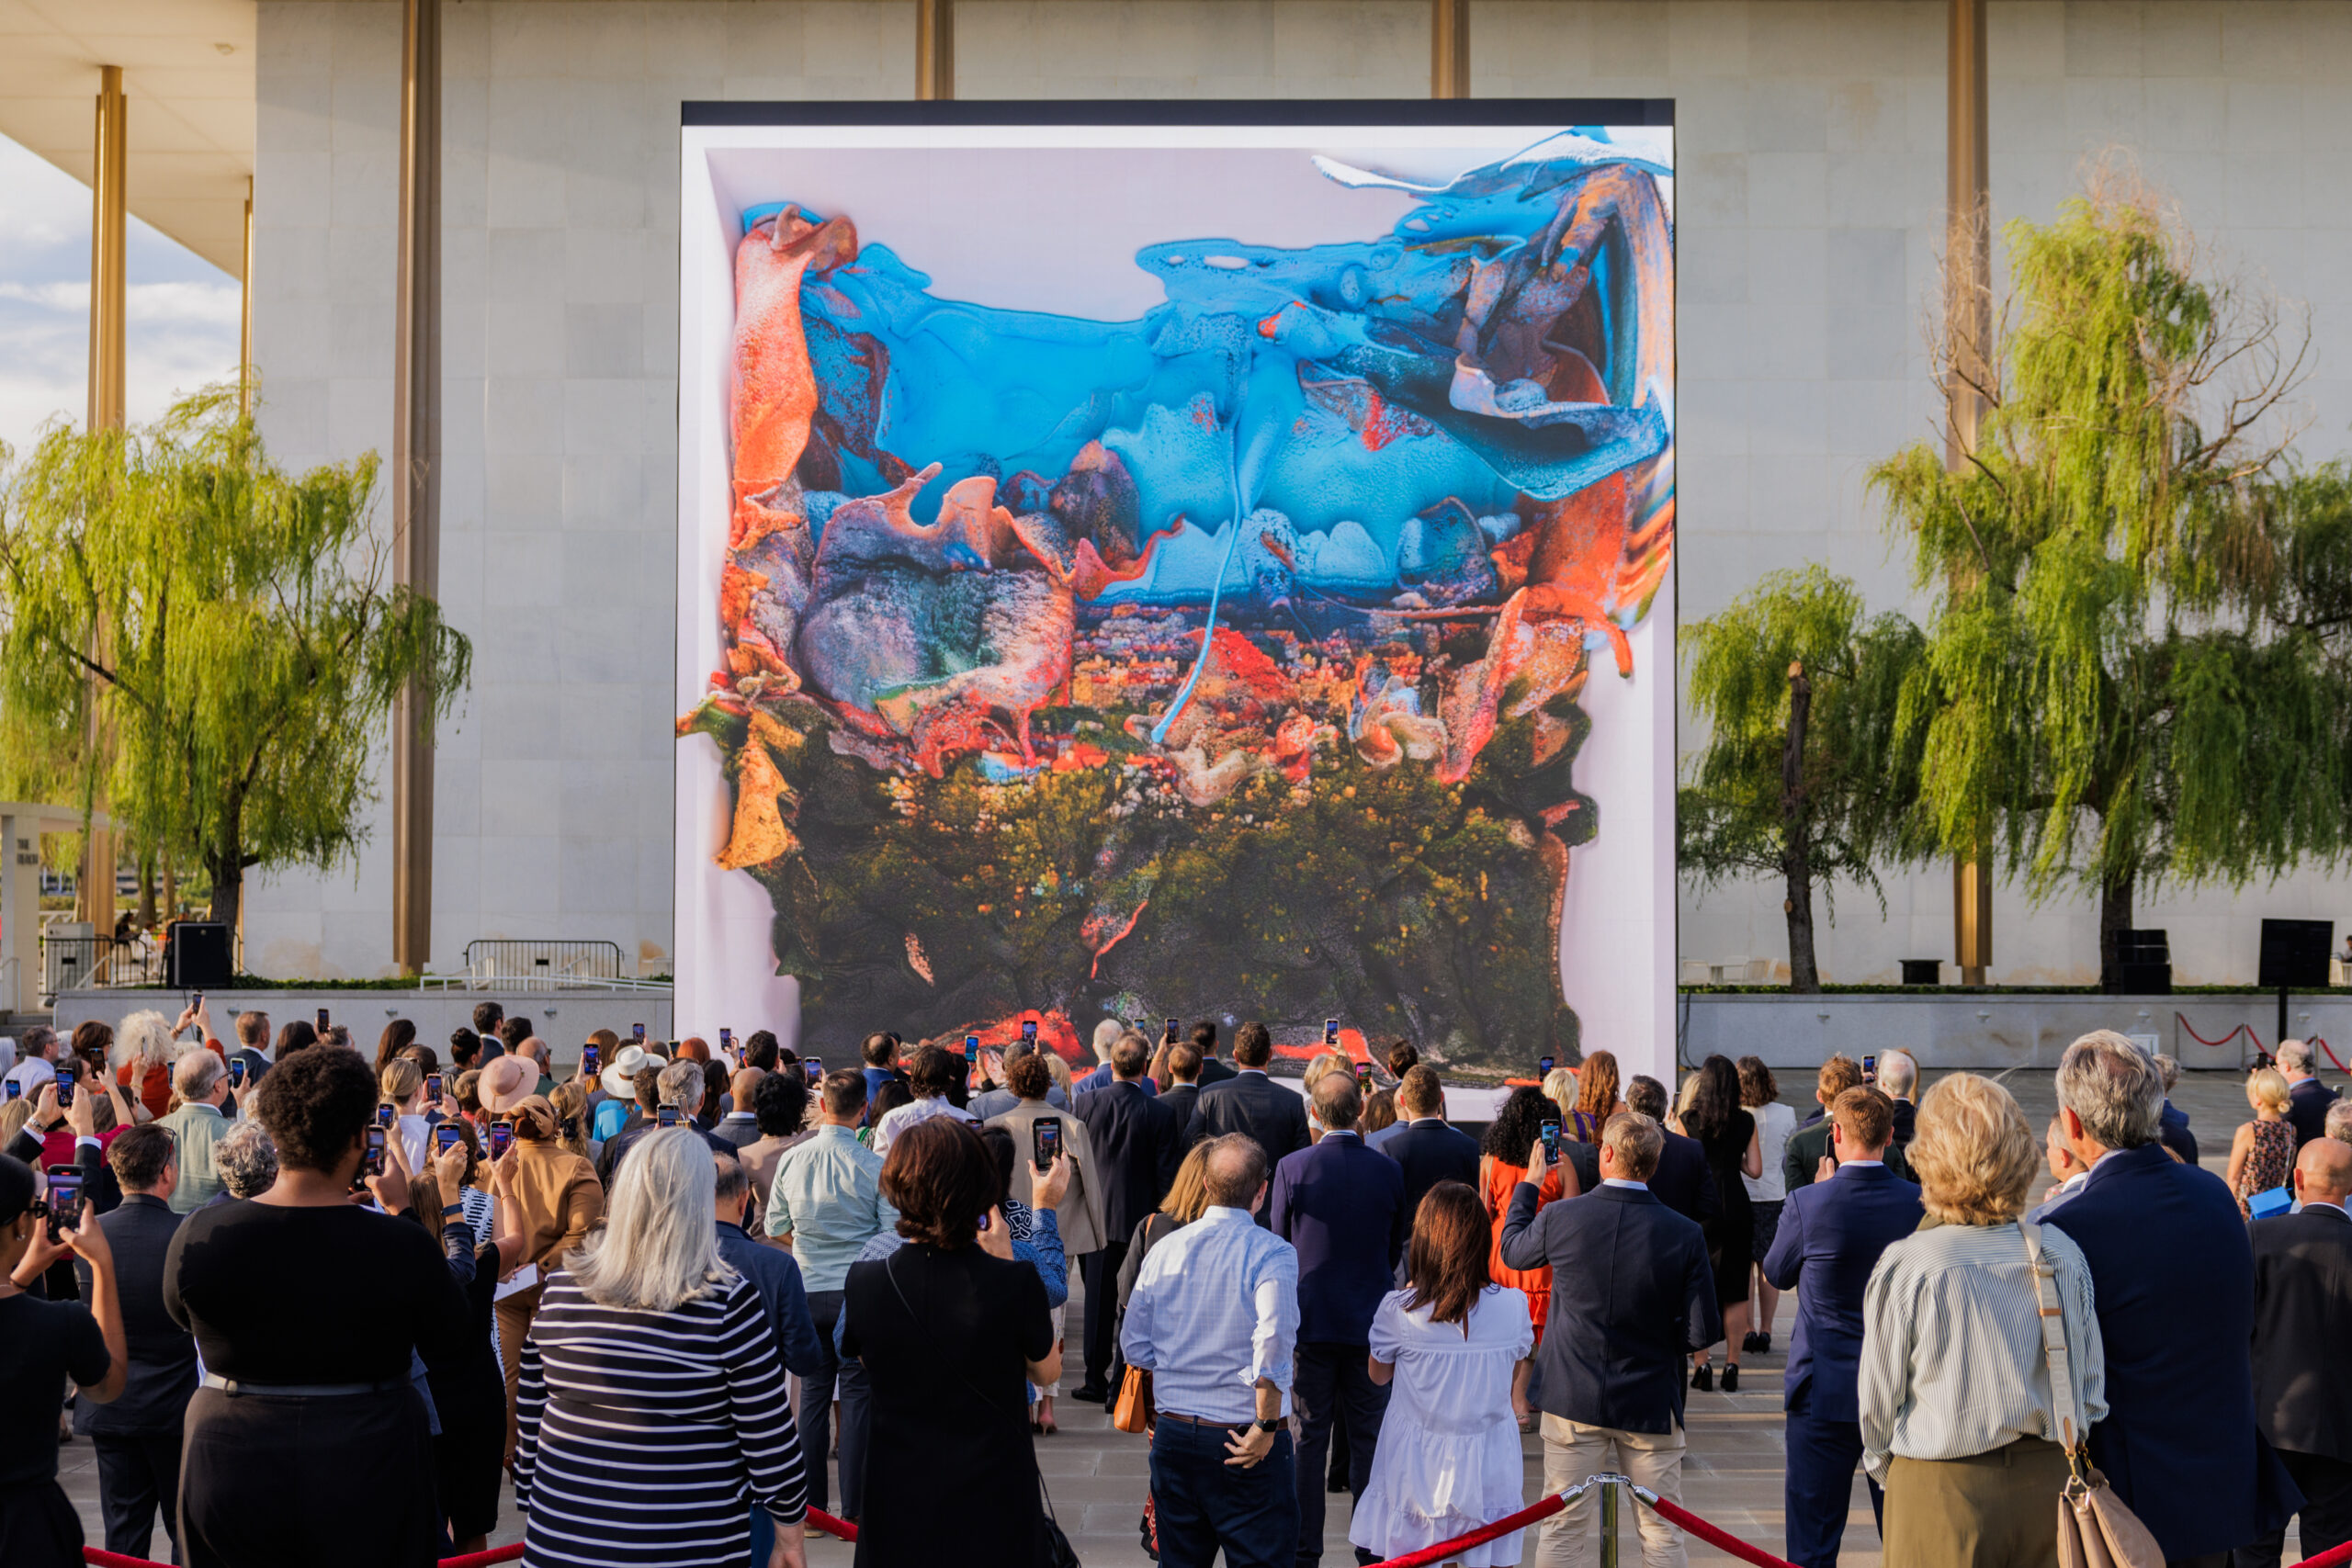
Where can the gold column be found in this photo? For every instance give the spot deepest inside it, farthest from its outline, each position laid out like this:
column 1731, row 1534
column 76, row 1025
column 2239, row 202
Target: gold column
column 416, row 462
column 1449, row 49
column 109, row 216
column 246, row 317
column 935, row 49
column 1968, row 328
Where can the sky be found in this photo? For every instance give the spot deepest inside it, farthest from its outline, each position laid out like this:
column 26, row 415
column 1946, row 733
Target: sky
column 183, row 309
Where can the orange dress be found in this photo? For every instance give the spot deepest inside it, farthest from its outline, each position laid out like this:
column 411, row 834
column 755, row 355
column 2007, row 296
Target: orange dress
column 1495, row 1181
column 154, row 1089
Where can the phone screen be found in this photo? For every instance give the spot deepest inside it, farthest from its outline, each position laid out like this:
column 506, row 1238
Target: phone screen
column 1544, row 1067
column 1029, row 1032
column 971, row 1047
column 433, row 1085
column 237, row 1075
column 447, row 1136
column 590, row 1059
column 64, row 1202
column 1364, row 1078
column 1869, row 1069
column 638, row 1031
column 385, row 1115
column 14, row 1089
column 1171, row 1032
column 1330, row 1032
column 667, row 1116
column 813, row 1069
column 1551, row 1130
column 1045, row 1139
column 502, row 1138
column 197, row 1000
column 64, row 1090
column 727, row 1039
column 323, row 1021
column 372, row 1163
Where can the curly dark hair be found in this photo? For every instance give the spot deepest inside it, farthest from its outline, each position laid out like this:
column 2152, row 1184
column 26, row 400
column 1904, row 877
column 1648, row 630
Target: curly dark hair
column 780, row 1105
column 315, row 1105
column 933, row 1071
column 940, row 1179
column 1517, row 1124
column 1028, row 1077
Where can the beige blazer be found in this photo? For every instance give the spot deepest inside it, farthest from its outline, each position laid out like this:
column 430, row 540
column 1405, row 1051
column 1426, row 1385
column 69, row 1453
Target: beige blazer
column 1079, row 1216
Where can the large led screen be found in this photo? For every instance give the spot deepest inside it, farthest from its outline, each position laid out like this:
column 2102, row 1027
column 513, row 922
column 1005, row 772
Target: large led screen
column 1154, row 561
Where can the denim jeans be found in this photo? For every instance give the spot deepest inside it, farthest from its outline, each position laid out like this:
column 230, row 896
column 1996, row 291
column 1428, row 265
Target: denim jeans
column 1203, row 1503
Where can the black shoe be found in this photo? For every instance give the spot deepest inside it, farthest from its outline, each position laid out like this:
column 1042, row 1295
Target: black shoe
column 1092, row 1394
column 1731, row 1377
column 1764, row 1342
column 1703, row 1380
column 1335, row 1485
column 1747, row 1343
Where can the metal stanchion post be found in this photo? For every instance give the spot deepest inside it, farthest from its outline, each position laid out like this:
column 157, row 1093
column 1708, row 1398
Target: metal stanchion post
column 1608, row 1484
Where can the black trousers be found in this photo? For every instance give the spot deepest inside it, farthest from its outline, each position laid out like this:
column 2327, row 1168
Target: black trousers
column 817, row 1415
column 1817, row 1487
column 2326, row 1486
column 138, row 1471
column 1328, row 1383
column 1100, row 1272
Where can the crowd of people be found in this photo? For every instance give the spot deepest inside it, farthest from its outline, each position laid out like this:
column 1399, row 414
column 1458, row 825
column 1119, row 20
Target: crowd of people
column 315, row 1307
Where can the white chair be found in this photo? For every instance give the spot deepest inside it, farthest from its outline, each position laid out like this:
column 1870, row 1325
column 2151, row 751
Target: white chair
column 1696, row 972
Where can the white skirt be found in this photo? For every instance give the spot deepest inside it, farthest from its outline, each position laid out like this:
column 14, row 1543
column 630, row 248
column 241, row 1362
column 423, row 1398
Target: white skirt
column 1430, row 1487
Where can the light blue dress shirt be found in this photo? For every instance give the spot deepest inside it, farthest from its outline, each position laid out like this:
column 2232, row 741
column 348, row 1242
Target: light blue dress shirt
column 1215, row 1309
column 826, row 1196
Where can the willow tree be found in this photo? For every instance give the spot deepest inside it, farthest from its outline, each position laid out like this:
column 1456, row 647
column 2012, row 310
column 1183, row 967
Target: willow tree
column 206, row 642
column 1805, row 776
column 2126, row 680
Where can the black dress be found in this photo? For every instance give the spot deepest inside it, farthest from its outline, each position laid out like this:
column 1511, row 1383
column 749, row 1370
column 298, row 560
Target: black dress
column 319, row 1297
column 951, row 1474
column 1731, row 1234
column 41, row 1344
column 470, row 1399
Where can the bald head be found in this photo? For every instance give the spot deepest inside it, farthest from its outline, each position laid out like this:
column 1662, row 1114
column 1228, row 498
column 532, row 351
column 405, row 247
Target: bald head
column 744, row 1085
column 1234, row 1170
column 2323, row 1171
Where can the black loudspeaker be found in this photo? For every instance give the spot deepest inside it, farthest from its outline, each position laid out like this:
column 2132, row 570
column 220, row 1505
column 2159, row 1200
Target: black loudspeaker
column 2294, row 954
column 197, row 956
column 2142, row 966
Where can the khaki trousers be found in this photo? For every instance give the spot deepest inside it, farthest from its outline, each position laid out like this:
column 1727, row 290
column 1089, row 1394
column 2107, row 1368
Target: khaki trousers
column 1572, row 1450
column 514, row 1315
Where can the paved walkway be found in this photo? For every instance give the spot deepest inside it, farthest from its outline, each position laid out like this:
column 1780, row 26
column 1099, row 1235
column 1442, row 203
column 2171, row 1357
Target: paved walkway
column 1732, row 1474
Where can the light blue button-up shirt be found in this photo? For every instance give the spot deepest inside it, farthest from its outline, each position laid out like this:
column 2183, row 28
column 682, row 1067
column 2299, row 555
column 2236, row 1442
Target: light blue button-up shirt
column 1215, row 1309
column 827, row 1197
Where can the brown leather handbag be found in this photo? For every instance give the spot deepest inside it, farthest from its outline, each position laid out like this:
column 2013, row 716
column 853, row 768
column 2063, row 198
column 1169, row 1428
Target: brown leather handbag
column 2095, row 1530
column 1133, row 1411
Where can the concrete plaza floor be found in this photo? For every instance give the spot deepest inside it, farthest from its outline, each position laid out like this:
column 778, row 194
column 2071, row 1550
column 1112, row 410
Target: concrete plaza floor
column 1732, row 1473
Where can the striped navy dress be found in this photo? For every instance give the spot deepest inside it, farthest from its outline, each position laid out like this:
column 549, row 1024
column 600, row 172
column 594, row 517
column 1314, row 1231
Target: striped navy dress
column 641, row 1434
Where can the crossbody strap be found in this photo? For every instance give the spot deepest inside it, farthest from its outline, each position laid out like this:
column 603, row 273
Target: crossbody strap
column 2053, row 1338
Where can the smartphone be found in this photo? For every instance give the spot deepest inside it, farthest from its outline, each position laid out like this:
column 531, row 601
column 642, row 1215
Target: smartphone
column 65, row 1091
column 1364, row 1078
column 1171, row 1032
column 197, row 1000
column 502, row 1138
column 1551, row 1131
column 372, row 1162
column 667, row 1116
column 637, row 1032
column 14, row 1089
column 727, row 1039
column 237, row 1074
column 1869, row 1069
column 1543, row 1066
column 813, row 1070
column 1029, row 1032
column 64, row 1202
column 447, row 1136
column 1330, row 1033
column 971, row 1048
column 386, row 1115
column 590, row 1060
column 1046, row 1140
column 323, row 1021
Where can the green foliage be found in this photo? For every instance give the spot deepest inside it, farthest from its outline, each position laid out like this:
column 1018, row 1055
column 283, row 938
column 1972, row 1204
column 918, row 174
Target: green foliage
column 204, row 644
column 1858, row 771
column 2129, row 672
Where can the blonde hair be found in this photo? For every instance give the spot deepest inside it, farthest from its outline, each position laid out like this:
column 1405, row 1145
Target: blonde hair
column 1560, row 1088
column 145, row 1037
column 2268, row 1086
column 1059, row 1069
column 571, row 1101
column 1188, row 1195
column 1974, row 1153
column 1328, row 1062
column 400, row 1078
column 659, row 1249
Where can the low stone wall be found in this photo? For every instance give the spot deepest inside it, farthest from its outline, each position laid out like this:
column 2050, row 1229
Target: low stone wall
column 1995, row 1029
column 562, row 1018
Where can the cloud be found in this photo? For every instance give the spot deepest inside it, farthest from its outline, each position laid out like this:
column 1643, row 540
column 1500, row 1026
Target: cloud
column 182, row 312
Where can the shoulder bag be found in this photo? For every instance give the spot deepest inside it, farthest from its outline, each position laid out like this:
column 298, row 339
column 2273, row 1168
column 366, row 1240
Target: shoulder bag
column 2095, row 1530
column 1058, row 1552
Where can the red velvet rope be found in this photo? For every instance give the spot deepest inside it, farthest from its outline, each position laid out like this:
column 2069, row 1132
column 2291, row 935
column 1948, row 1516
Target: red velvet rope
column 98, row 1557
column 1479, row 1536
column 2334, row 1557
column 1675, row 1513
column 2316, row 1041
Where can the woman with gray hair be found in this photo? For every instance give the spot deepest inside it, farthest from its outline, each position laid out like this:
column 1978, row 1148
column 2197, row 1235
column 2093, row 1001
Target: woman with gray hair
column 141, row 1059
column 245, row 1161
column 651, row 1358
column 1958, row 1409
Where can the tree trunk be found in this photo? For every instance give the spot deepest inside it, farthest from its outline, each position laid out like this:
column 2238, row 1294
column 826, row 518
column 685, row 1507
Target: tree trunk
column 1796, row 845
column 227, row 887
column 2114, row 918
column 147, row 892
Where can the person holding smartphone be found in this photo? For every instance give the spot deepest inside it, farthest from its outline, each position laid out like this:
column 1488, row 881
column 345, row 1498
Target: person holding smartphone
column 48, row 1342
column 1079, row 1211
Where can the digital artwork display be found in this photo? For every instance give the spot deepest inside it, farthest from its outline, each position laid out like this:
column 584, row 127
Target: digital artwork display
column 1154, row 572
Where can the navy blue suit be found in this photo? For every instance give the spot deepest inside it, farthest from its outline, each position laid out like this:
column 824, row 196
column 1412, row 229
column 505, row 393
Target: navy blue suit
column 1683, row 1182
column 1342, row 1206
column 1831, row 1237
column 2173, row 1273
column 1430, row 1152
column 2172, row 1132
column 2307, row 1104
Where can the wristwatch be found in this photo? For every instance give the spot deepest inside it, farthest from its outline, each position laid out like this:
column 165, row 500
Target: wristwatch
column 1267, row 1426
